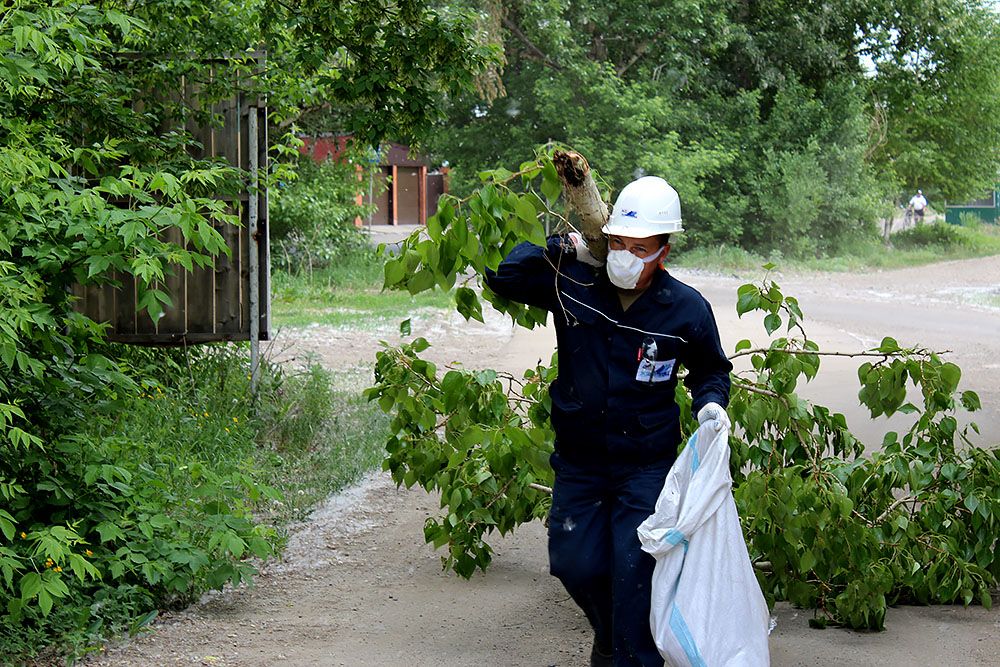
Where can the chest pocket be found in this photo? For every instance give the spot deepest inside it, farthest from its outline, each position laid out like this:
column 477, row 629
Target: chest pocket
column 656, row 360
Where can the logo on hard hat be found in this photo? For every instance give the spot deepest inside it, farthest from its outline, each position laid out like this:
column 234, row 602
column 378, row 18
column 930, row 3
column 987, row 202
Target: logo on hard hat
column 630, row 214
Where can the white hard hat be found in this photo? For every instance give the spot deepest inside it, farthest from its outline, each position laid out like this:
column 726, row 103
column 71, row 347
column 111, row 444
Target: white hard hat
column 645, row 207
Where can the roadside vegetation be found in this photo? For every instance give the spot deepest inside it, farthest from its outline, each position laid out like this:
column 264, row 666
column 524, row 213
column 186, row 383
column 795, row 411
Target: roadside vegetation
column 133, row 479
column 929, row 243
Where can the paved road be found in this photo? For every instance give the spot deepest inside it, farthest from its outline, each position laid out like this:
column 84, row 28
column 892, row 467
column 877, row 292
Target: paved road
column 849, row 313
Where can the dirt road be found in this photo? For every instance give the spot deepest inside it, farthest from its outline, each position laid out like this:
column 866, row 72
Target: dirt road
column 357, row 585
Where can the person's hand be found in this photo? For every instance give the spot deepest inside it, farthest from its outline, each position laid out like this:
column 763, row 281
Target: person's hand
column 582, row 251
column 714, row 412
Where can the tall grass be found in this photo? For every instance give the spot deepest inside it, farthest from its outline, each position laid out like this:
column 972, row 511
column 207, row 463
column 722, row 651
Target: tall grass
column 306, row 435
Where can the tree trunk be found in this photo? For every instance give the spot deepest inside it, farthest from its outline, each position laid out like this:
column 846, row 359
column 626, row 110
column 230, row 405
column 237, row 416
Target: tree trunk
column 584, row 198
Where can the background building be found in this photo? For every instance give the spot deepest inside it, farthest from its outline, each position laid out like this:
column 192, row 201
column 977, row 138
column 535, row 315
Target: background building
column 404, row 187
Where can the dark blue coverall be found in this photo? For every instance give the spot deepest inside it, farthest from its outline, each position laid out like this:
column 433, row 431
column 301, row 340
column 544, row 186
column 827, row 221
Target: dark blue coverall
column 616, row 425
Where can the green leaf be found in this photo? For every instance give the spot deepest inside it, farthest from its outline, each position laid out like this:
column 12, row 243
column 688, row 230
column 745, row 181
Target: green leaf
column 807, row 561
column 404, row 327
column 951, row 374
column 748, row 298
column 888, row 345
column 109, row 531
column 434, row 228
column 7, row 525
column 394, row 272
column 234, row 544
column 467, row 304
column 44, row 602
column 970, row 401
column 772, row 322
column 985, row 598
column 422, row 280
column 551, row 185
column 31, row 585
column 526, row 211
column 143, row 621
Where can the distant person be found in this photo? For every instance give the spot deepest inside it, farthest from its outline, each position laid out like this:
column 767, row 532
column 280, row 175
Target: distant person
column 917, row 204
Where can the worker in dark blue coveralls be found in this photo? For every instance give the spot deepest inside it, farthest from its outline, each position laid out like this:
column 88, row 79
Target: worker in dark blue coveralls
column 623, row 330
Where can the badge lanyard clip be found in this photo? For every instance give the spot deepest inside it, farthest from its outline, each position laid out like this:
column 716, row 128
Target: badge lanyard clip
column 648, row 352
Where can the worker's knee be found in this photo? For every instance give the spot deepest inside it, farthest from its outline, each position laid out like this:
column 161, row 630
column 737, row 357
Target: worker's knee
column 577, row 568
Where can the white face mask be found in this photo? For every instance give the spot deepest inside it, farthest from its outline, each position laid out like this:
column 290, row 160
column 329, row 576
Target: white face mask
column 624, row 268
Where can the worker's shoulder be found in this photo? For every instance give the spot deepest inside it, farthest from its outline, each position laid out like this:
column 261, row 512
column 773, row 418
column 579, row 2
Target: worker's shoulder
column 671, row 290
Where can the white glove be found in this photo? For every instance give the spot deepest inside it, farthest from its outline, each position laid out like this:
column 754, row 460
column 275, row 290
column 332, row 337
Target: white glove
column 582, row 251
column 714, row 412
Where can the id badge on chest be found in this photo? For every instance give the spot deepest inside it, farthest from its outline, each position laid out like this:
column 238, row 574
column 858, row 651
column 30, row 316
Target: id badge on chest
column 650, row 368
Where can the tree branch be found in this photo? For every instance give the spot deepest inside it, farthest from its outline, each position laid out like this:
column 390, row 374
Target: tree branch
column 640, row 51
column 764, row 350
column 901, row 501
column 755, row 390
column 584, row 197
column 534, row 50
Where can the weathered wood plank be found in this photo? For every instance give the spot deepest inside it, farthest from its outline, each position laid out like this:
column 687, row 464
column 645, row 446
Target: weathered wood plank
column 125, row 315
column 201, row 301
column 175, row 285
column 228, row 283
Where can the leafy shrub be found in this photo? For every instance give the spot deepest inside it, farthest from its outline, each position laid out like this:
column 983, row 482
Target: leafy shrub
column 313, row 218
column 126, row 479
column 940, row 235
column 791, row 194
column 83, row 510
column 160, row 493
column 294, row 423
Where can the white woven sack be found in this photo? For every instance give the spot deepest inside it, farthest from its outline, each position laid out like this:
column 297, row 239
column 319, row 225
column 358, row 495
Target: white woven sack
column 707, row 607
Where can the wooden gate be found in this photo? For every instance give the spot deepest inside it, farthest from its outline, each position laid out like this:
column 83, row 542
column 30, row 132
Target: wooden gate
column 231, row 300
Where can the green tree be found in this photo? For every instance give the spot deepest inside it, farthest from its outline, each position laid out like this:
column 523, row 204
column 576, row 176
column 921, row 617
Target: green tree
column 935, row 93
column 747, row 107
column 96, row 177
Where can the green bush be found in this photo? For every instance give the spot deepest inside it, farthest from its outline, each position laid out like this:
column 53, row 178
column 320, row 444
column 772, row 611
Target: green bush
column 85, row 511
column 128, row 478
column 160, row 493
column 943, row 236
column 313, row 218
